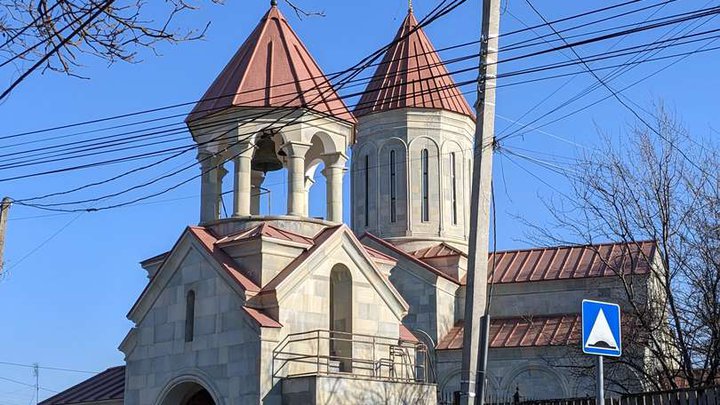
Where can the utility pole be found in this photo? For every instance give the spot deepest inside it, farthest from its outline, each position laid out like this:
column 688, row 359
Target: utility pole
column 4, row 210
column 477, row 321
column 36, row 373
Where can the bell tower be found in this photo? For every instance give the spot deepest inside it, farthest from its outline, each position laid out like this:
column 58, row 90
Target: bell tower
column 271, row 108
column 412, row 160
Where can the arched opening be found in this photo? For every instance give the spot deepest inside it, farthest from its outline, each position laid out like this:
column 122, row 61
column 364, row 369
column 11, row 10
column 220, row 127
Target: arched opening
column 201, row 397
column 316, row 184
column 188, row 393
column 341, row 318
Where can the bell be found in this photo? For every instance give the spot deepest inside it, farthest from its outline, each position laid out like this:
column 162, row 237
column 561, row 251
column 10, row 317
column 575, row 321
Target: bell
column 265, row 159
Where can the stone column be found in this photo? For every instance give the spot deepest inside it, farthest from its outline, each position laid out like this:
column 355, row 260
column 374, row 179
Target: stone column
column 209, row 188
column 297, row 196
column 309, row 182
column 257, row 179
column 242, row 179
column 333, row 172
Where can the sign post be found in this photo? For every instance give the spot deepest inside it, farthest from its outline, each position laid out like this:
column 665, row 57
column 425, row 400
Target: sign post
column 601, row 336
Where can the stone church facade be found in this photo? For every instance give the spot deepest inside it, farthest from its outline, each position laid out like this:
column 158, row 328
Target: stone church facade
column 288, row 309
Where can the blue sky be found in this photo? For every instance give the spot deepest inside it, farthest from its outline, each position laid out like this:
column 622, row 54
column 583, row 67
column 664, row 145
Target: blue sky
column 72, row 278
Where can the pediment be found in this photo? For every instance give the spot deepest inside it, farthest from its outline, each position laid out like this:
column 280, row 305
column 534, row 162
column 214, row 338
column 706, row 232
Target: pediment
column 193, row 244
column 328, row 245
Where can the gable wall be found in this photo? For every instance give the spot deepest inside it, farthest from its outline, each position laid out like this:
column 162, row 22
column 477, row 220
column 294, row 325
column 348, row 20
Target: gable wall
column 225, row 347
column 306, row 306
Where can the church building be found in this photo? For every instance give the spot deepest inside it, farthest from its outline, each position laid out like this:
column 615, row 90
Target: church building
column 289, row 309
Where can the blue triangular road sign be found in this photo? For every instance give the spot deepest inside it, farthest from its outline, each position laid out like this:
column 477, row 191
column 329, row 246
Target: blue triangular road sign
column 601, row 334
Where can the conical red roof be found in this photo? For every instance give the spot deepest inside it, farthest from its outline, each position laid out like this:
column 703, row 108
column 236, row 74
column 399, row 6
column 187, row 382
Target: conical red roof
column 272, row 69
column 412, row 75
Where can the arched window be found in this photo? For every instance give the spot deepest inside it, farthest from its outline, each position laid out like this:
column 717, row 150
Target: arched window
column 393, row 188
column 424, row 161
column 453, row 182
column 190, row 316
column 367, row 190
column 341, row 325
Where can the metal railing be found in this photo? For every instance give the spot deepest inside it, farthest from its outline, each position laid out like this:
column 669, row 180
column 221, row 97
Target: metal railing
column 325, row 352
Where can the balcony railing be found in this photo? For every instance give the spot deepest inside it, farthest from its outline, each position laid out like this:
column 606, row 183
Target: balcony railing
column 325, row 352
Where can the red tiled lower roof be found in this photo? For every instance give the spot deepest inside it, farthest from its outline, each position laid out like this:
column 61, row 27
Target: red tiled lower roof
column 262, row 319
column 105, row 386
column 208, row 240
column 405, row 334
column 375, row 254
column 408, row 256
column 268, row 231
column 536, row 331
column 439, row 250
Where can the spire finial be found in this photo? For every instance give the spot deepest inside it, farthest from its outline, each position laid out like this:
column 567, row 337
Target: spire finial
column 273, row 3
column 410, row 8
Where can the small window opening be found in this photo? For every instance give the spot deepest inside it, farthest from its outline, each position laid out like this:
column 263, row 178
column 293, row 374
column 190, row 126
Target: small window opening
column 190, row 316
column 393, row 188
column 425, row 185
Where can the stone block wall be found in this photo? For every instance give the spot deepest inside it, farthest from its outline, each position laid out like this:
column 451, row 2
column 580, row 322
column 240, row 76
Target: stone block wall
column 224, row 351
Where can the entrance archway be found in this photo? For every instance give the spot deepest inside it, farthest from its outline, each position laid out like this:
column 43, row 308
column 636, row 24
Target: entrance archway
column 188, row 393
column 201, row 397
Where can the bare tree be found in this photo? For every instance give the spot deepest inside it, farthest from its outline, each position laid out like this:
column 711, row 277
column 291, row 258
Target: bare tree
column 54, row 34
column 659, row 185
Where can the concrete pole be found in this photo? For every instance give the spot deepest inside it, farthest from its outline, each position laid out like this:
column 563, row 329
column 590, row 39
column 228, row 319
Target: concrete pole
column 296, row 197
column 4, row 210
column 472, row 376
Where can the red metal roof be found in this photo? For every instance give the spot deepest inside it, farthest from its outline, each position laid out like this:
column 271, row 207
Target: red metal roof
column 439, row 250
column 262, row 318
column 272, row 69
column 379, row 256
column 208, row 240
column 105, row 386
column 412, row 75
column 268, row 231
column 571, row 262
column 405, row 334
column 536, row 331
column 408, row 256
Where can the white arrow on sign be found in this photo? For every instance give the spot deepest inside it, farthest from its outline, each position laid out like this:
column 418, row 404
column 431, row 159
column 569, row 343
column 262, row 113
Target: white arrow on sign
column 601, row 336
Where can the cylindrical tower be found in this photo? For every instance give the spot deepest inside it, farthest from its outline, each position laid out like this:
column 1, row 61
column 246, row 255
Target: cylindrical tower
column 412, row 159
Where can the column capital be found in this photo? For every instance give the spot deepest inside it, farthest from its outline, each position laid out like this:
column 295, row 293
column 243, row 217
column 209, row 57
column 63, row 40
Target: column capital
column 296, row 149
column 244, row 148
column 335, row 159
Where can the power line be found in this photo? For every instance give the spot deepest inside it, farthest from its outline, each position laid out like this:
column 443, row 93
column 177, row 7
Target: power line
column 441, row 12
column 182, row 129
column 184, row 104
column 533, row 70
column 71, row 370
column 27, row 385
column 613, row 75
column 183, row 182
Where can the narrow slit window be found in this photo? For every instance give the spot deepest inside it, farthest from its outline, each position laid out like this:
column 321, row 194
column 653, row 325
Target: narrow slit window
column 190, row 316
column 367, row 190
column 453, row 181
column 425, row 185
column 393, row 188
